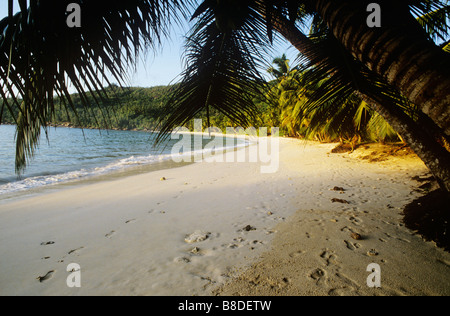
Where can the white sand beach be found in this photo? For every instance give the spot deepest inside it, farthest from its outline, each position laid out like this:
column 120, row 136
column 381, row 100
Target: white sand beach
column 267, row 234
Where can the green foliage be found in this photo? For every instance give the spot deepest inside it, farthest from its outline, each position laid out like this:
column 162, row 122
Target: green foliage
column 279, row 103
column 293, row 107
column 125, row 109
column 40, row 57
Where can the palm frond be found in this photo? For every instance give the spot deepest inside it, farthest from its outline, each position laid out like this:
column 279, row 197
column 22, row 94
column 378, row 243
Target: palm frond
column 223, row 58
column 331, row 83
column 40, row 56
column 434, row 19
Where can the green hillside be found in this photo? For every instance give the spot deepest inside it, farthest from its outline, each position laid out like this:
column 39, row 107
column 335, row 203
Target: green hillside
column 129, row 108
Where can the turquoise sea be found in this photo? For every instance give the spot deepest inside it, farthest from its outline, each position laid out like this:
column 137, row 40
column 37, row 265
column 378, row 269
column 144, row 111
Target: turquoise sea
column 71, row 155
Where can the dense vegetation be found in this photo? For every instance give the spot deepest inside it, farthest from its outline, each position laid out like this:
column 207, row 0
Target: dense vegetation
column 134, row 108
column 127, row 108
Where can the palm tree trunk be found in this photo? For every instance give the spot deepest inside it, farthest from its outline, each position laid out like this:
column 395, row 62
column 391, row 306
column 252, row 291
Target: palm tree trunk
column 421, row 141
column 435, row 157
column 399, row 51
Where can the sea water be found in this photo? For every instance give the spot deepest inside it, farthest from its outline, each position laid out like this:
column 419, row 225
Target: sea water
column 69, row 155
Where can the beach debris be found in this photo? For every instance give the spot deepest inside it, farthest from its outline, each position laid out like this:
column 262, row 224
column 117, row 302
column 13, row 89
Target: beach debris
column 163, row 179
column 334, row 200
column 45, row 277
column 338, row 189
column 47, row 243
column 269, row 213
column 372, row 253
column 195, row 250
column 197, row 236
column 248, row 228
column 356, row 236
column 333, row 220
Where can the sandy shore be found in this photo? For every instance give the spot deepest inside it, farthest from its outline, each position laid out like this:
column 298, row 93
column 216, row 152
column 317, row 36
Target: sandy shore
column 267, row 234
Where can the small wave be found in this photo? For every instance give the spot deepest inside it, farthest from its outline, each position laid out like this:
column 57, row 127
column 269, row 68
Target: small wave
column 48, row 180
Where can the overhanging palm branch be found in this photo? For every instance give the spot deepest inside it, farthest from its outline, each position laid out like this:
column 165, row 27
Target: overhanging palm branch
column 40, row 56
column 385, row 102
column 433, row 17
column 224, row 53
column 329, row 83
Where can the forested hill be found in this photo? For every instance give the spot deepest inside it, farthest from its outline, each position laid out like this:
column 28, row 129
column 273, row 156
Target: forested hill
column 143, row 109
column 127, row 108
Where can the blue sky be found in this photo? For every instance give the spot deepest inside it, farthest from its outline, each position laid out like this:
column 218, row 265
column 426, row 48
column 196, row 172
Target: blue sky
column 161, row 67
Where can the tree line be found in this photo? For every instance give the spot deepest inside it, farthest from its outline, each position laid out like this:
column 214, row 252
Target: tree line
column 137, row 108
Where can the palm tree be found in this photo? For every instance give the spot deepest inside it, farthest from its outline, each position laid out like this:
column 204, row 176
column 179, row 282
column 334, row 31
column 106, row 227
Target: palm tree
column 349, row 77
column 400, row 51
column 330, row 120
column 283, row 67
column 40, row 56
column 376, row 90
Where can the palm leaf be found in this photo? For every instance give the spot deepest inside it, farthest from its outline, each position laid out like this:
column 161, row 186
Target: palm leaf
column 40, row 56
column 331, row 83
column 222, row 73
column 433, row 17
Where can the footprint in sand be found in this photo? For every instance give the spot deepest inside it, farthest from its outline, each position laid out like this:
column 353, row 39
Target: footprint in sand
column 182, row 260
column 317, row 275
column 352, row 246
column 355, row 220
column 110, row 234
column 46, row 277
column 347, row 229
column 328, row 256
column 398, row 238
column 47, row 243
column 232, row 246
column 296, row 254
column 75, row 250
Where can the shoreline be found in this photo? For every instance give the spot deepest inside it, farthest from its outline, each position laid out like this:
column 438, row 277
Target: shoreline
column 90, row 174
column 129, row 235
